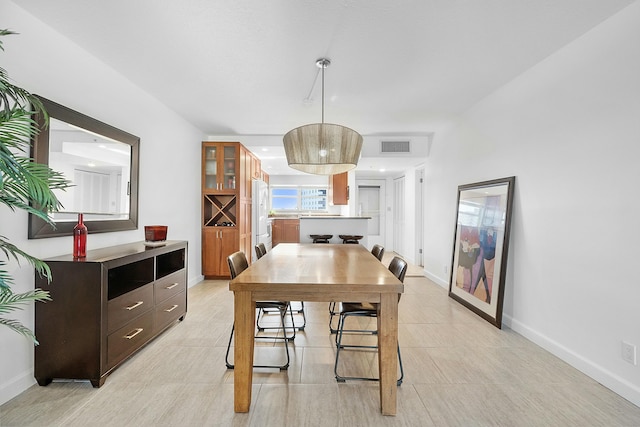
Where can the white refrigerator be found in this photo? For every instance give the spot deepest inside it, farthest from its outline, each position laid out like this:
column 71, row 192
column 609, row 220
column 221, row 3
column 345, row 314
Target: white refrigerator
column 260, row 227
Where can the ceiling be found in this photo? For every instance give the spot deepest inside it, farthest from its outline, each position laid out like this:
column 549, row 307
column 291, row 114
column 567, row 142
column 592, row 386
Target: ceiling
column 399, row 69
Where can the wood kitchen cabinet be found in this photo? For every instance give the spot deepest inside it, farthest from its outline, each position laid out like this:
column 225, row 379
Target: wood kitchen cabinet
column 285, row 231
column 106, row 307
column 219, row 167
column 227, row 171
column 339, row 188
column 220, row 242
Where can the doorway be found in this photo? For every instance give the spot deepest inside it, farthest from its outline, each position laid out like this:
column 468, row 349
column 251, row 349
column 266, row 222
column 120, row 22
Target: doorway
column 371, row 202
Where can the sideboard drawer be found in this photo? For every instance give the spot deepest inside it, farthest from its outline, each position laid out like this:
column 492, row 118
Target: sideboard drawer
column 126, row 307
column 170, row 310
column 130, row 337
column 170, row 285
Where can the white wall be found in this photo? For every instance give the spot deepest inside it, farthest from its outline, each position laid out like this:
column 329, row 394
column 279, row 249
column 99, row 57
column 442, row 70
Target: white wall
column 43, row 62
column 569, row 130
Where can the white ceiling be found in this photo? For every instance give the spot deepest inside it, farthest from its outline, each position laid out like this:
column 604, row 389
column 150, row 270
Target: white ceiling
column 400, row 69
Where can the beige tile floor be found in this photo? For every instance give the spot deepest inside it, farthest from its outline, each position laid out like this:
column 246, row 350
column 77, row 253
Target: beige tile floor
column 459, row 371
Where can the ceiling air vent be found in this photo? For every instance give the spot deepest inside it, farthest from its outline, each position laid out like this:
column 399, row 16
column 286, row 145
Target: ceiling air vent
column 395, row 146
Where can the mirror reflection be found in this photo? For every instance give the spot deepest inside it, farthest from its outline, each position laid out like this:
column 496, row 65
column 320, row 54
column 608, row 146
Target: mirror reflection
column 98, row 167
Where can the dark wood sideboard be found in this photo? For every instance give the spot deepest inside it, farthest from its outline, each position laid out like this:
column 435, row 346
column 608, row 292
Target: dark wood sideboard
column 106, row 307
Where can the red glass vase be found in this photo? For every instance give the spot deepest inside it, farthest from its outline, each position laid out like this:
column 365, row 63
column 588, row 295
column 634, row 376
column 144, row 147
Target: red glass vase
column 80, row 239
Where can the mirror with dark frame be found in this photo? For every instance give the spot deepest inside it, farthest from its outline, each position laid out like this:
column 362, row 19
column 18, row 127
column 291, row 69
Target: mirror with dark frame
column 100, row 160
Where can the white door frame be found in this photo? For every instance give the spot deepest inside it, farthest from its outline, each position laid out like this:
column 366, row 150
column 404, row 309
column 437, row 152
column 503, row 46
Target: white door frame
column 419, row 257
column 399, row 215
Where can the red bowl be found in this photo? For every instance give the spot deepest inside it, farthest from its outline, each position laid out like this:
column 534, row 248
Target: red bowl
column 155, row 233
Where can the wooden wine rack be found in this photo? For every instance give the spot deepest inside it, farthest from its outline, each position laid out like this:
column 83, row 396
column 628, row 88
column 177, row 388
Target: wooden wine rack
column 219, row 208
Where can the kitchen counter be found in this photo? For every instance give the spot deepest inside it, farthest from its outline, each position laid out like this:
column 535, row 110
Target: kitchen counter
column 317, row 216
column 332, row 217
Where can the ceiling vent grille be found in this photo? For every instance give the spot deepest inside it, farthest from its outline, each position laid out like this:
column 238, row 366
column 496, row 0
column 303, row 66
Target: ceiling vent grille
column 395, row 146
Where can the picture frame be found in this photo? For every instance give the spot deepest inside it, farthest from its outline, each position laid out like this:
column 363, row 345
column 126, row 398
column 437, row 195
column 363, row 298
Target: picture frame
column 481, row 246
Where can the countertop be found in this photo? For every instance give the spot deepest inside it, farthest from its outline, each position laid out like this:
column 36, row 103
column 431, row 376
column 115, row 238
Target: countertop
column 332, row 217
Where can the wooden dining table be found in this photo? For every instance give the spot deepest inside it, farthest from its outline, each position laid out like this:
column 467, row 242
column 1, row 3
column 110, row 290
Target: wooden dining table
column 316, row 272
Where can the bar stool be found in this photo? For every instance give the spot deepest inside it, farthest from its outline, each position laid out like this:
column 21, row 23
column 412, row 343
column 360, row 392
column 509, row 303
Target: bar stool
column 321, row 238
column 348, row 238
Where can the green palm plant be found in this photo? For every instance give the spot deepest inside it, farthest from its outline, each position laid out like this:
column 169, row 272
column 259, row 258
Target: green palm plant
column 25, row 185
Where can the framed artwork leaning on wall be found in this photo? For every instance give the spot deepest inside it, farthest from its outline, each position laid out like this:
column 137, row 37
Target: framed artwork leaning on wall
column 481, row 246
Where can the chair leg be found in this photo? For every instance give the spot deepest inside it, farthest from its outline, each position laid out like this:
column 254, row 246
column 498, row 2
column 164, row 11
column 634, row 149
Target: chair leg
column 304, row 316
column 399, row 382
column 332, row 314
column 286, row 340
column 263, row 311
column 284, row 328
column 226, row 357
column 340, row 346
column 283, row 313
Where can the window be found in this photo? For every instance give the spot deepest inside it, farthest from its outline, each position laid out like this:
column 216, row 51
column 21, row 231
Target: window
column 298, row 198
column 284, row 199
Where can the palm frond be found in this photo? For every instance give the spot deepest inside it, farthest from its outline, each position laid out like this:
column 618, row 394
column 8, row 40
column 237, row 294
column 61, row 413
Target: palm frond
column 17, row 127
column 25, row 184
column 12, row 251
column 5, row 32
column 10, row 302
column 19, row 328
column 28, row 181
column 5, row 278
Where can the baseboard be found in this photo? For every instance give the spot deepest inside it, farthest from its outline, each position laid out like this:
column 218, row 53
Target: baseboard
column 437, row 280
column 195, row 280
column 15, row 386
column 618, row 385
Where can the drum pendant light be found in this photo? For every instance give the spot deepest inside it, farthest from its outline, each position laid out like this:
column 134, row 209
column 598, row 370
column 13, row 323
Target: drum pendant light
column 322, row 148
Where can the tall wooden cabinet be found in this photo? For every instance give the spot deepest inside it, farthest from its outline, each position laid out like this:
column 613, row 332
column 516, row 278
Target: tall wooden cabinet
column 227, row 171
column 105, row 307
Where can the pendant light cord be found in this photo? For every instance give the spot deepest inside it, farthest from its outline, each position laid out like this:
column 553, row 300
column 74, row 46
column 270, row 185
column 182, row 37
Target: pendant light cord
column 323, row 67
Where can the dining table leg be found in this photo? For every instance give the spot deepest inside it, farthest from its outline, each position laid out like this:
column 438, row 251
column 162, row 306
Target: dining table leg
column 388, row 352
column 244, row 318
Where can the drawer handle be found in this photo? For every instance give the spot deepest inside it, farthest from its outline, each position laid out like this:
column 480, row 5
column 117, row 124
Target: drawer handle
column 133, row 334
column 172, row 286
column 169, row 310
column 131, row 307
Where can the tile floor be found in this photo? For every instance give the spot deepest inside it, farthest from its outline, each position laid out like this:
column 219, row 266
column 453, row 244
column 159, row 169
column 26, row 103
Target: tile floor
column 459, row 371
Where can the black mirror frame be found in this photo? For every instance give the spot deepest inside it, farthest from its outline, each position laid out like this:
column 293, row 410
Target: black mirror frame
column 38, row 228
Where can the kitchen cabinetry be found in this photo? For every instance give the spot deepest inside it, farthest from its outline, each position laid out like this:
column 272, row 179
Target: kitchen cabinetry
column 218, row 243
column 339, row 188
column 227, row 171
column 105, row 307
column 285, row 231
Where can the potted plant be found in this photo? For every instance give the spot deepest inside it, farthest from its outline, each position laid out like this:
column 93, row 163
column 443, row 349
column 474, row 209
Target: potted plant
column 25, row 185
